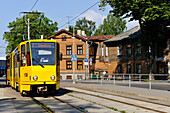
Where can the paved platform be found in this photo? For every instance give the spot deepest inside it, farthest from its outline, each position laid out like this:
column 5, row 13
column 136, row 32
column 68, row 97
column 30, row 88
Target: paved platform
column 12, row 101
column 142, row 92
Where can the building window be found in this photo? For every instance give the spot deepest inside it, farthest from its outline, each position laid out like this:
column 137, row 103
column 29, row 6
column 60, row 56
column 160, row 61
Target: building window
column 102, row 51
column 119, row 67
column 119, row 50
column 79, row 49
column 64, row 38
column 138, row 68
column 23, row 60
column 128, row 50
column 68, row 50
column 138, row 49
column 69, row 64
column 107, row 51
column 128, row 68
column 79, row 65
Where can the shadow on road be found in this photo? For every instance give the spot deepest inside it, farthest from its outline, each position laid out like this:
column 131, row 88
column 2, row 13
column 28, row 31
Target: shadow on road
column 60, row 92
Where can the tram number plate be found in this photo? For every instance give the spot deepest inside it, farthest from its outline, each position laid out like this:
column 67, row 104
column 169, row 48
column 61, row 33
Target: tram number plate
column 26, row 74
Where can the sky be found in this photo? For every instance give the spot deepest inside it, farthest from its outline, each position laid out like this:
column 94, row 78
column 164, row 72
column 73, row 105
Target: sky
column 56, row 10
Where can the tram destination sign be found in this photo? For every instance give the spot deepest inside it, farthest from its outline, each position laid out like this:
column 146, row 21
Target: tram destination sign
column 43, row 45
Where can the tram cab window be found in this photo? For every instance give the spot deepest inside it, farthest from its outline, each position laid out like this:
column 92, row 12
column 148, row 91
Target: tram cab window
column 28, row 55
column 23, row 61
column 43, row 53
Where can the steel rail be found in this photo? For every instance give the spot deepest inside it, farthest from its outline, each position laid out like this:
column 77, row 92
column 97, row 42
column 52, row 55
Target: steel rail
column 125, row 97
column 126, row 103
column 42, row 105
column 76, row 107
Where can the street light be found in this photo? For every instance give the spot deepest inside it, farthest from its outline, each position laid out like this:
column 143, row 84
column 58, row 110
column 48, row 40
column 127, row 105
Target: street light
column 74, row 81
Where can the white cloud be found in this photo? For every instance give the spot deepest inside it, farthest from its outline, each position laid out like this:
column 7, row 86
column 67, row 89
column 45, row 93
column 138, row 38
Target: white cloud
column 98, row 18
column 94, row 16
column 130, row 24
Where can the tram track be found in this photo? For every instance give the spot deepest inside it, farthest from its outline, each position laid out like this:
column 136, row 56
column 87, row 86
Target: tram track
column 42, row 105
column 76, row 107
column 125, row 97
column 122, row 102
column 84, row 94
column 49, row 110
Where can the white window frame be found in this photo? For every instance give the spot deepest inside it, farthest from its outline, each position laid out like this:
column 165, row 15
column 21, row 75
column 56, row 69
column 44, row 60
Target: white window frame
column 102, row 51
column 107, row 52
column 119, row 50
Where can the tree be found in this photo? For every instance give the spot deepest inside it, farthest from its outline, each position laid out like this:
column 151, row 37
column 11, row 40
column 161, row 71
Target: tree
column 39, row 25
column 86, row 25
column 111, row 26
column 153, row 17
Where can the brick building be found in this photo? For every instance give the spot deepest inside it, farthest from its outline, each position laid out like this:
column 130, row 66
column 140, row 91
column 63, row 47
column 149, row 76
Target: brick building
column 85, row 47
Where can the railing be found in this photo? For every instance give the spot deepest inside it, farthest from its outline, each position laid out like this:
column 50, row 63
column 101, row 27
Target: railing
column 129, row 77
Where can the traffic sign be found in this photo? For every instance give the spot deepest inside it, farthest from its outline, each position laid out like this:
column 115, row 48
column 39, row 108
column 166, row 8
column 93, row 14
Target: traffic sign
column 90, row 59
column 73, row 57
column 86, row 59
column 86, row 63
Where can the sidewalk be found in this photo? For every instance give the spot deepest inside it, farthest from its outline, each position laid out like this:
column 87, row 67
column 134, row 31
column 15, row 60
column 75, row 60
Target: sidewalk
column 142, row 92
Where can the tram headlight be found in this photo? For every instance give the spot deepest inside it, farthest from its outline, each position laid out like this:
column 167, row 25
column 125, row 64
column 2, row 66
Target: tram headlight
column 52, row 77
column 35, row 77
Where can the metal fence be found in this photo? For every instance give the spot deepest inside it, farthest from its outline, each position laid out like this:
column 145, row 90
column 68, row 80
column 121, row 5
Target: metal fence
column 148, row 78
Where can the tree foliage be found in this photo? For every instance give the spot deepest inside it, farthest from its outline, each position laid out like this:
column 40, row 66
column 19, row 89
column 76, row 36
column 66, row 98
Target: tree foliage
column 153, row 16
column 39, row 25
column 86, row 25
column 111, row 26
column 150, row 13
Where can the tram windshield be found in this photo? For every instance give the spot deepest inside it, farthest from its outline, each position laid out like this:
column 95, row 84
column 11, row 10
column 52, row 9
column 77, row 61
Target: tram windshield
column 43, row 53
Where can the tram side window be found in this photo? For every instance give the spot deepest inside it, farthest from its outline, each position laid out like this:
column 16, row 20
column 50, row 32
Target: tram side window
column 28, row 55
column 23, row 55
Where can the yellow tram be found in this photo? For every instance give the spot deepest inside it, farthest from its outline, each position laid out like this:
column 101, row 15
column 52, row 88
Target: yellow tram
column 34, row 66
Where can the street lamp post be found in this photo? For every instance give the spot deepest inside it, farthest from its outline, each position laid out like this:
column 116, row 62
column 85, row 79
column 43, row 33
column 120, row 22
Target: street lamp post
column 74, row 81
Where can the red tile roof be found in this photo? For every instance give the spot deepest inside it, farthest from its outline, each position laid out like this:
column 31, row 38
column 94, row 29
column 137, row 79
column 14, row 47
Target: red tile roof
column 101, row 38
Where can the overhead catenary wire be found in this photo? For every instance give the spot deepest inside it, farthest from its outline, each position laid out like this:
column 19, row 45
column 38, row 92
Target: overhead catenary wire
column 79, row 14
column 33, row 6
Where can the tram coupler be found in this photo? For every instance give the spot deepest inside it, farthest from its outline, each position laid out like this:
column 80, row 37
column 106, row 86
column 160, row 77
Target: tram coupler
column 41, row 89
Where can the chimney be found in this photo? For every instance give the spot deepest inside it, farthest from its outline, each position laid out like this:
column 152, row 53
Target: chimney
column 42, row 36
column 67, row 28
column 83, row 33
column 79, row 32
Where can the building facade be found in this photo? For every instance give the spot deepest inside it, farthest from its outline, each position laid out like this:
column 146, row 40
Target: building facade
column 127, row 55
column 90, row 47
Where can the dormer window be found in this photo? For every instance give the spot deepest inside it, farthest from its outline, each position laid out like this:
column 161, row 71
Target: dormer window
column 64, row 38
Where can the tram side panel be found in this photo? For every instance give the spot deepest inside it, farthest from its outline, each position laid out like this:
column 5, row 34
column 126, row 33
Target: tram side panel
column 58, row 66
column 8, row 69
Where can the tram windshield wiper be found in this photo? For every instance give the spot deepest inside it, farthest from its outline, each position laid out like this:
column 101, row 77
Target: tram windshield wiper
column 38, row 62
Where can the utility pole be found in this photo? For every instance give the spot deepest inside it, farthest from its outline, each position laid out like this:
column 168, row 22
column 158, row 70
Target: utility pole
column 28, row 29
column 29, row 21
column 74, row 81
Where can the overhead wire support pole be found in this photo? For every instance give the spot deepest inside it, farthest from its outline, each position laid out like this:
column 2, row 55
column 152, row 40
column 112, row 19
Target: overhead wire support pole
column 28, row 23
column 28, row 29
column 74, row 81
